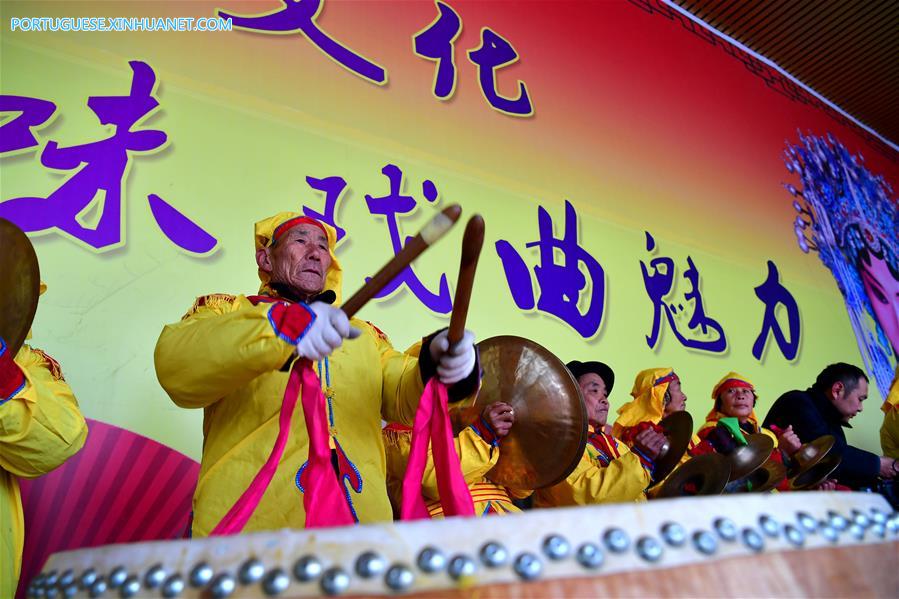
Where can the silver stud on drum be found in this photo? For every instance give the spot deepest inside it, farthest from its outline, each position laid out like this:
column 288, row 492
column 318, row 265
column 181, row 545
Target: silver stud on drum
column 837, row 521
column 807, row 521
column 858, row 532
column 97, row 588
column 494, row 554
column 307, row 568
column 461, row 566
column 51, row 592
column 66, row 578
column 877, row 516
column 117, row 577
column 860, row 519
column 795, row 536
column 590, row 556
column 753, row 540
column 725, row 528
column 828, row 532
column 616, row 540
column 200, row 575
column 556, row 547
column 70, row 591
column 88, row 577
column 335, row 581
column 275, row 582
column 251, row 571
column 173, row 586
column 528, row 566
column 674, row 534
column 370, row 564
column 431, row 560
column 399, row 578
column 769, row 525
column 705, row 542
column 156, row 575
column 50, row 579
column 130, row 587
column 222, row 586
column 649, row 549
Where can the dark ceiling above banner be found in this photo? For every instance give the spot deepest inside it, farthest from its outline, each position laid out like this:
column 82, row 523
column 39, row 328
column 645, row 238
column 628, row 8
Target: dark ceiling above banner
column 847, row 51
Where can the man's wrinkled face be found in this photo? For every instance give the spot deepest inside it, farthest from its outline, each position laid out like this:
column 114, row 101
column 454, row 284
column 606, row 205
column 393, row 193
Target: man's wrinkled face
column 737, row 402
column 882, row 289
column 596, row 398
column 677, row 398
column 299, row 259
column 849, row 403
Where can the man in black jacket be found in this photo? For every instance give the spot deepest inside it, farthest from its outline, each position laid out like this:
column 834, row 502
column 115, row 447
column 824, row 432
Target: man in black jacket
column 824, row 409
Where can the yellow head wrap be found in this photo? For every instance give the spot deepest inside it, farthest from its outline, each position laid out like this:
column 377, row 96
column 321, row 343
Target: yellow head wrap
column 648, row 404
column 264, row 232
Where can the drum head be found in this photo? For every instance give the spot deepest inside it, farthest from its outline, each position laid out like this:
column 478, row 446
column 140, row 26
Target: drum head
column 20, row 282
column 550, row 432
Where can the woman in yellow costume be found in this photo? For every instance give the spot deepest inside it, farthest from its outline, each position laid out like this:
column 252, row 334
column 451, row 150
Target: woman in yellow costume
column 40, row 428
column 657, row 393
column 230, row 355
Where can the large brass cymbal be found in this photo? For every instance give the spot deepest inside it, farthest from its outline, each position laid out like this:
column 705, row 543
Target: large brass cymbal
column 815, row 474
column 550, row 432
column 678, row 429
column 20, row 281
column 810, row 454
column 762, row 479
column 706, row 474
column 746, row 458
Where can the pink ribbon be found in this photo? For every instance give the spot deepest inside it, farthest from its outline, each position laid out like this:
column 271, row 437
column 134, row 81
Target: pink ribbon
column 323, row 500
column 432, row 425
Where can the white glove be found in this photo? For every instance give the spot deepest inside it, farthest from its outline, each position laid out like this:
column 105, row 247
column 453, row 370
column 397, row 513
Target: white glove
column 456, row 363
column 327, row 332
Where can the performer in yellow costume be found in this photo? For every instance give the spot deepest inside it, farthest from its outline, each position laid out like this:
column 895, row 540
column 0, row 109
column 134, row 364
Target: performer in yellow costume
column 478, row 447
column 889, row 431
column 40, row 428
column 608, row 471
column 735, row 398
column 657, row 393
column 230, row 355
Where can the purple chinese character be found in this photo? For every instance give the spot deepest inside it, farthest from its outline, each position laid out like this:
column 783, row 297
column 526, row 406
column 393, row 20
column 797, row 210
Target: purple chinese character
column 772, row 293
column 98, row 183
column 298, row 16
column 494, row 53
column 659, row 284
column 333, row 188
column 16, row 134
column 436, row 43
column 390, row 206
column 561, row 285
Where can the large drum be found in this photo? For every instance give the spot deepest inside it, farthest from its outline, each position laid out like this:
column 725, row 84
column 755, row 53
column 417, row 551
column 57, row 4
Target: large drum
column 790, row 544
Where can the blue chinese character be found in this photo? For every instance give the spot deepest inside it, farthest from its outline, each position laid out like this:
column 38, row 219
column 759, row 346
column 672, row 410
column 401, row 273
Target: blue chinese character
column 561, row 285
column 436, row 43
column 494, row 53
column 333, row 188
column 659, row 284
column 97, row 185
column 16, row 133
column 390, row 206
column 298, row 16
column 772, row 293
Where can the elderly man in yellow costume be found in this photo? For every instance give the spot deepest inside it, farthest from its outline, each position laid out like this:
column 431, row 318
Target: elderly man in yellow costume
column 608, row 471
column 478, row 446
column 657, row 393
column 40, row 428
column 230, row 355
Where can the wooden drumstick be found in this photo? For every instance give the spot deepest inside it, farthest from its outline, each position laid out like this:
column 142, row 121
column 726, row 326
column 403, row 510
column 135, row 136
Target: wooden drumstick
column 431, row 232
column 472, row 242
